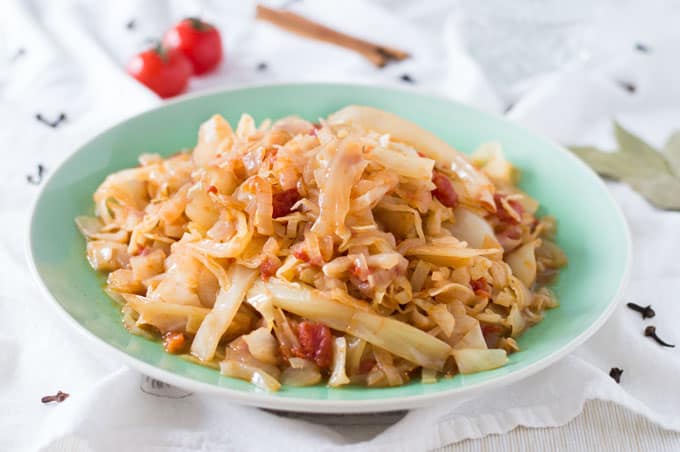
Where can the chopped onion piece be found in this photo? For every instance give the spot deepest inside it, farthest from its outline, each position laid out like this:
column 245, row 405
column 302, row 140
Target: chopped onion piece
column 474, row 360
column 256, row 376
column 443, row 318
column 523, row 262
column 234, row 246
column 490, row 158
column 428, row 376
column 473, row 229
column 473, row 339
column 107, row 256
column 147, row 265
column 214, row 136
column 355, row 351
column 262, row 302
column 405, row 165
column 262, row 345
column 450, row 256
column 386, row 364
column 338, row 375
column 305, row 376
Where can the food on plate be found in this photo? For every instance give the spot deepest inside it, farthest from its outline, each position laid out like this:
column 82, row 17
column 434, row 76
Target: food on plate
column 199, row 41
column 361, row 249
column 164, row 71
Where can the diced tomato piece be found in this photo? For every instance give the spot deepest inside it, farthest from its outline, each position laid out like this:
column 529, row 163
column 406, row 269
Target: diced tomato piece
column 491, row 333
column 366, row 365
column 510, row 231
column 509, row 236
column 502, row 214
column 143, row 251
column 315, row 126
column 481, row 287
column 316, row 343
column 283, row 201
column 513, row 233
column 444, row 192
column 360, row 272
column 268, row 267
column 301, row 254
column 174, row 342
column 488, row 328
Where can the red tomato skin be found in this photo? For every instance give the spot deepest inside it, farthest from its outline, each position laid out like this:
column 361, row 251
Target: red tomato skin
column 199, row 41
column 444, row 190
column 166, row 75
column 316, row 343
column 283, row 201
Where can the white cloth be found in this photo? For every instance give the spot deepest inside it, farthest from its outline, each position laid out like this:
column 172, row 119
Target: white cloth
column 73, row 57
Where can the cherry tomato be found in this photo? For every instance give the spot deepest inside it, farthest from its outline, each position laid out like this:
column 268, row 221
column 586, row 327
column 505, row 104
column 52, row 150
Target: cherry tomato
column 165, row 72
column 199, row 41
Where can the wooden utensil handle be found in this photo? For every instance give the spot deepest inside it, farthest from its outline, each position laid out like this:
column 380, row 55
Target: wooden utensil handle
column 377, row 54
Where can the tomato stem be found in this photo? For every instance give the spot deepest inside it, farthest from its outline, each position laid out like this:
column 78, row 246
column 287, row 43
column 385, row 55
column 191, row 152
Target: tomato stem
column 198, row 24
column 162, row 52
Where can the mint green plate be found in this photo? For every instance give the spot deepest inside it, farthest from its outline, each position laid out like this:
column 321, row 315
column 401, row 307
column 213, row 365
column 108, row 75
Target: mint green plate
column 592, row 231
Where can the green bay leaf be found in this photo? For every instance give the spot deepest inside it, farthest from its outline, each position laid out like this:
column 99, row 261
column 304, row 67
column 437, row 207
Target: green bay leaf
column 653, row 174
column 614, row 165
column 672, row 152
column 638, row 154
column 662, row 191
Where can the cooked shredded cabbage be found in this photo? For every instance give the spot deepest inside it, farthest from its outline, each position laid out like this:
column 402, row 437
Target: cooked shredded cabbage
column 358, row 250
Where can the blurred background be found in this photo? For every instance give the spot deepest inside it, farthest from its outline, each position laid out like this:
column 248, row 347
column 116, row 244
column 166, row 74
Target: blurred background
column 52, row 46
column 70, row 56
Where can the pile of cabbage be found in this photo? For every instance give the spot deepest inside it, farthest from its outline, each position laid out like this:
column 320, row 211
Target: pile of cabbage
column 419, row 261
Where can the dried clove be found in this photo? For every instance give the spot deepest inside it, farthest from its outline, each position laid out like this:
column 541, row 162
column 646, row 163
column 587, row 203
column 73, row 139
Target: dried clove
column 628, row 86
column 38, row 177
column 18, row 54
column 261, row 67
column 58, row 397
column 54, row 124
column 640, row 47
column 650, row 331
column 646, row 311
column 407, row 78
column 615, row 373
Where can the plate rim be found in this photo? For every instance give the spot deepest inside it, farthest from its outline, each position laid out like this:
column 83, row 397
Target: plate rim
column 294, row 404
